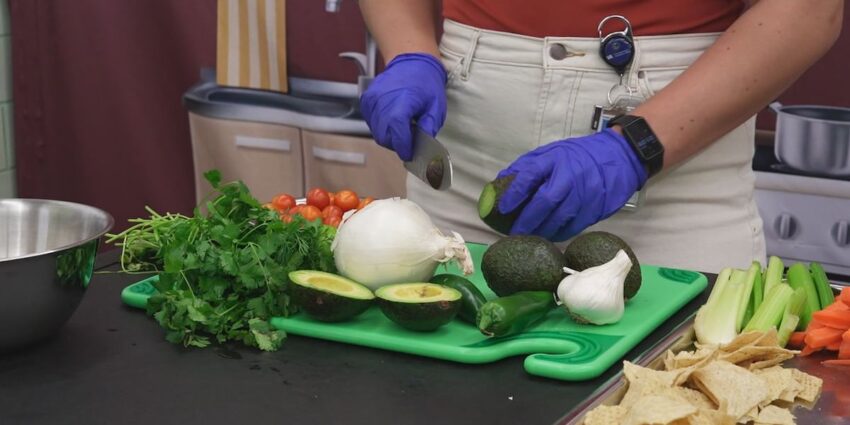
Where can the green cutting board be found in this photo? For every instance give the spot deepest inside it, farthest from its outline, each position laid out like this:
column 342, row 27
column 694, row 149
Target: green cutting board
column 559, row 348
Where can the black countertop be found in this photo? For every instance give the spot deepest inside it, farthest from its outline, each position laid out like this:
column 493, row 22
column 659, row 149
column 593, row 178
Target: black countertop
column 111, row 365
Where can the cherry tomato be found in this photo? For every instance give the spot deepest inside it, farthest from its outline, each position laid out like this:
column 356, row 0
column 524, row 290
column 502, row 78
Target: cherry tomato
column 365, row 201
column 318, row 198
column 283, row 202
column 296, row 209
column 332, row 221
column 310, row 212
column 332, row 211
column 347, row 200
column 286, row 218
column 332, row 197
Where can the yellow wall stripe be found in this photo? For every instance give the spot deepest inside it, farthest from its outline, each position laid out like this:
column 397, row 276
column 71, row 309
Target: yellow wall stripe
column 221, row 43
column 262, row 36
column 281, row 39
column 244, row 42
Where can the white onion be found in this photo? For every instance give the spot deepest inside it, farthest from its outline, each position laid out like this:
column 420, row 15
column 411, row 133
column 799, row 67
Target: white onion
column 394, row 241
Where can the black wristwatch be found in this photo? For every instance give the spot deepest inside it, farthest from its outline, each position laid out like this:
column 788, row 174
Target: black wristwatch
column 643, row 140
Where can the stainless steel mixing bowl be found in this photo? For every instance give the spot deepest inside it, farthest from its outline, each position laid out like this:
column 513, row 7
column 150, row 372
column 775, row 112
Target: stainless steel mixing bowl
column 47, row 251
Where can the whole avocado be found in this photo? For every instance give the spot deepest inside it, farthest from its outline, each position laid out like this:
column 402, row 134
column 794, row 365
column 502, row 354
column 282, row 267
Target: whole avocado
column 594, row 248
column 522, row 263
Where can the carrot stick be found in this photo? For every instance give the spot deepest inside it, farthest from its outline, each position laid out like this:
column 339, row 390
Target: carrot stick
column 844, row 362
column 821, row 337
column 797, row 339
column 833, row 318
column 844, row 349
column 807, row 350
column 845, row 295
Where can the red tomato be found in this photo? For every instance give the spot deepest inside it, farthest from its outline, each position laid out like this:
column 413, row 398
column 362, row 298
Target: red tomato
column 332, row 197
column 332, row 211
column 332, row 221
column 318, row 198
column 365, row 201
column 283, row 202
column 347, row 200
column 296, row 209
column 310, row 212
column 286, row 218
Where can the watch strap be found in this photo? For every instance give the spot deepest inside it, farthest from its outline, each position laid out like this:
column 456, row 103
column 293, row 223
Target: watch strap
column 651, row 155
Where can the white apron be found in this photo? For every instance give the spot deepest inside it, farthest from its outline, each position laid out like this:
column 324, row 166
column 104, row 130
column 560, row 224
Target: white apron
column 508, row 94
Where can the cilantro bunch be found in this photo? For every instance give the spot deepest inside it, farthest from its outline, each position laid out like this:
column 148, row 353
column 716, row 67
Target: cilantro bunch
column 224, row 273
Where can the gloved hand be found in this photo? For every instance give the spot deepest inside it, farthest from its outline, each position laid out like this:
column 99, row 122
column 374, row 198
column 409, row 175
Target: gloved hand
column 411, row 88
column 572, row 184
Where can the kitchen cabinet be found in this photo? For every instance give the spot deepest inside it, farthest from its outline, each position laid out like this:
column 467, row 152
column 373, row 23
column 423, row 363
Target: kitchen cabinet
column 266, row 157
column 336, row 162
column 273, row 158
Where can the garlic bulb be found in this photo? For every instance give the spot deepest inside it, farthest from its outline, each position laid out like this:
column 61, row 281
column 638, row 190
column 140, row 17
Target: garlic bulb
column 595, row 295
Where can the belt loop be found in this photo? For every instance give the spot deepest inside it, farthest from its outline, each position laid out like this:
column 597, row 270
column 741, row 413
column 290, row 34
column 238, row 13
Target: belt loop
column 470, row 52
column 634, row 68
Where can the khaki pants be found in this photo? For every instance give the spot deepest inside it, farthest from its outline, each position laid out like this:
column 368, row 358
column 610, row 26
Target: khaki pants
column 508, row 94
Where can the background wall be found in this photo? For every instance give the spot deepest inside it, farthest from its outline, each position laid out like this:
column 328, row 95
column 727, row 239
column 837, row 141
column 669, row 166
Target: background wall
column 98, row 85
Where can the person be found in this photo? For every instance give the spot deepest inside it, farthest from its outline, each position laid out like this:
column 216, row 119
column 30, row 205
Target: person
column 521, row 82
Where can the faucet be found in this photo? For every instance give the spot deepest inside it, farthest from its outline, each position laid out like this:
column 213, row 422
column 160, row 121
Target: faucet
column 365, row 62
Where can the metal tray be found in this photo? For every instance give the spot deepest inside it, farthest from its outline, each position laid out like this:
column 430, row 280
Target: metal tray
column 832, row 408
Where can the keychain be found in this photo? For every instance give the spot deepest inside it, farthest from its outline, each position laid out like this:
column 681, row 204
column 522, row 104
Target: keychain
column 617, row 49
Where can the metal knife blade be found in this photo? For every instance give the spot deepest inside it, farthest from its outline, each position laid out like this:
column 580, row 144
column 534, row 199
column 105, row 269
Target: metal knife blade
column 431, row 162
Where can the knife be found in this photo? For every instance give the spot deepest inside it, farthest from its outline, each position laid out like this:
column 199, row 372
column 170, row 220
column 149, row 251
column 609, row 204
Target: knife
column 431, row 162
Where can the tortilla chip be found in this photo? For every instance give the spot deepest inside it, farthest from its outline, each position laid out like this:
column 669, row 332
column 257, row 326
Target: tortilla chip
column 689, row 358
column 810, row 386
column 775, row 416
column 752, row 415
column 658, row 409
column 605, row 415
column 694, row 397
column 739, row 388
column 710, row 417
column 789, row 394
column 752, row 354
column 769, row 338
column 742, row 340
column 762, row 364
column 778, row 379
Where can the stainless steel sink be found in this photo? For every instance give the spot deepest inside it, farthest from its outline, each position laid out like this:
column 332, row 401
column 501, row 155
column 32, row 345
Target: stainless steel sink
column 324, row 106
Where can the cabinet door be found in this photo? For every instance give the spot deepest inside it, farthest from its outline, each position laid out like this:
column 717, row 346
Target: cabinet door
column 336, row 162
column 266, row 157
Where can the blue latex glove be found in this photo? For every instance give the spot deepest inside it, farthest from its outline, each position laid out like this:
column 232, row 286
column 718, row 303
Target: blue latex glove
column 572, row 184
column 411, row 88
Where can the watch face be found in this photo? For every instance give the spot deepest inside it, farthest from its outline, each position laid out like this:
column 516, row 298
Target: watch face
column 643, row 138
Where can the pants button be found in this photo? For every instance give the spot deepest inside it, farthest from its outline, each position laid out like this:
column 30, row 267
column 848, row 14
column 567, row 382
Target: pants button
column 557, row 51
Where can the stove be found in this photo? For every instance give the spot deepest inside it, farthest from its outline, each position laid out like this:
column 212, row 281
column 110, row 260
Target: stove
column 806, row 218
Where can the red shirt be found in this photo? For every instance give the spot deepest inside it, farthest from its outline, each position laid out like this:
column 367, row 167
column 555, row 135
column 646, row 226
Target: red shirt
column 541, row 18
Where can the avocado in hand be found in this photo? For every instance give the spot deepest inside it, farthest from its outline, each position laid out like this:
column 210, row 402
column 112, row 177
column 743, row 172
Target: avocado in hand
column 488, row 205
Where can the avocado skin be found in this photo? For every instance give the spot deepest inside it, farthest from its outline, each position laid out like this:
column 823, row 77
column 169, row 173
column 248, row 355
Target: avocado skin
column 595, row 248
column 497, row 221
column 522, row 263
column 326, row 306
column 422, row 317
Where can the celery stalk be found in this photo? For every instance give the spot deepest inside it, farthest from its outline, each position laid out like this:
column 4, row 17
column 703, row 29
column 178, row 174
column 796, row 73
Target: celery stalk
column 799, row 277
column 719, row 320
column 773, row 273
column 758, row 287
column 791, row 318
column 825, row 295
column 769, row 315
column 788, row 325
column 750, row 277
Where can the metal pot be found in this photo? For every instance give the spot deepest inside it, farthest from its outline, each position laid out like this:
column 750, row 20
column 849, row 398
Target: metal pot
column 47, row 251
column 813, row 139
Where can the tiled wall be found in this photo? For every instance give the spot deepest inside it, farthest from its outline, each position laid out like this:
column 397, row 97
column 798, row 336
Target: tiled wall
column 7, row 156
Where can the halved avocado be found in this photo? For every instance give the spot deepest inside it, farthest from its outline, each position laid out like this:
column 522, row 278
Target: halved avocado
column 328, row 297
column 419, row 306
column 488, row 205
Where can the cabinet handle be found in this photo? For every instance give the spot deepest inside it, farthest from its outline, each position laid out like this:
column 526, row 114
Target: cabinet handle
column 344, row 157
column 281, row 145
